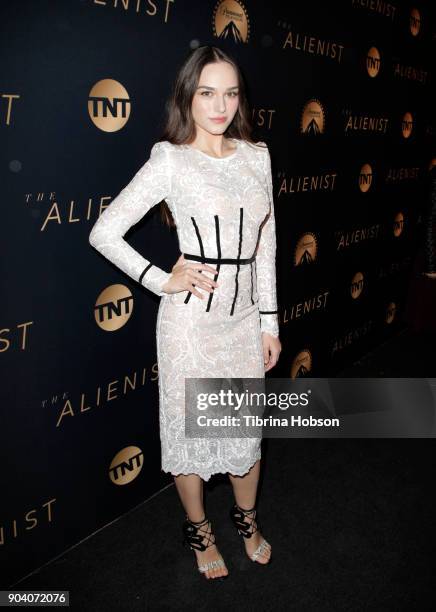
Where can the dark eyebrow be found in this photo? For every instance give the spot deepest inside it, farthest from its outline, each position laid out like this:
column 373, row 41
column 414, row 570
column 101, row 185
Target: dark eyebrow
column 207, row 87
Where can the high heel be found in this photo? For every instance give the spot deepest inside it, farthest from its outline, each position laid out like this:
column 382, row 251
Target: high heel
column 194, row 540
column 247, row 528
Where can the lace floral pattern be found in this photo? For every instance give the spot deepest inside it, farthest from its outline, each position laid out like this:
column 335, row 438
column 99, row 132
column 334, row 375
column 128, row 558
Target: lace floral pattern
column 224, row 209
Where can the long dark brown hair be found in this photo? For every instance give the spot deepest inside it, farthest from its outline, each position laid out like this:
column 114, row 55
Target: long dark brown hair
column 179, row 124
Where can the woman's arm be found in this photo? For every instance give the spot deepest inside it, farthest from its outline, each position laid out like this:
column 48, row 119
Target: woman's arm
column 266, row 262
column 149, row 186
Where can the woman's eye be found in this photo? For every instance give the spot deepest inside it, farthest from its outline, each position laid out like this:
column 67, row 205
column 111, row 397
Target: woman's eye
column 233, row 94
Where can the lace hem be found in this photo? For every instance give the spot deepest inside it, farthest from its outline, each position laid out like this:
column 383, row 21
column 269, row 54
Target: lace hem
column 206, row 475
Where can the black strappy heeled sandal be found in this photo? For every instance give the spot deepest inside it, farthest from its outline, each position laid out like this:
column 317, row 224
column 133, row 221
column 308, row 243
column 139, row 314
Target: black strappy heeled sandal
column 194, row 540
column 246, row 528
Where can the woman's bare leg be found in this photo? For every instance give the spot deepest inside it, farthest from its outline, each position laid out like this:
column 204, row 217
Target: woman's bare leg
column 245, row 491
column 190, row 490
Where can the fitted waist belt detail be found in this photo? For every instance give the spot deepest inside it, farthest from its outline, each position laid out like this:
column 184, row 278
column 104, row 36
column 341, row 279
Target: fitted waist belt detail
column 221, row 260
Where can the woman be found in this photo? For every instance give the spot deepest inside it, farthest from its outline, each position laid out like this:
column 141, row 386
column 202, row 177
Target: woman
column 218, row 313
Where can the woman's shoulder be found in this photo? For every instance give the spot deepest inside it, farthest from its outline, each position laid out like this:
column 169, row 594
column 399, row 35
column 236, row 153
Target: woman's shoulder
column 168, row 149
column 259, row 148
column 161, row 145
column 163, row 150
column 259, row 152
column 261, row 144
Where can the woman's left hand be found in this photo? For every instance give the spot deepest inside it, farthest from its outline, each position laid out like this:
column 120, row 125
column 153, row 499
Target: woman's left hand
column 271, row 350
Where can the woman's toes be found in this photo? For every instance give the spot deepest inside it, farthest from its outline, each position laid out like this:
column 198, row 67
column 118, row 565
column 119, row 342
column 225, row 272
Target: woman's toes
column 224, row 571
column 266, row 554
column 215, row 572
column 220, row 571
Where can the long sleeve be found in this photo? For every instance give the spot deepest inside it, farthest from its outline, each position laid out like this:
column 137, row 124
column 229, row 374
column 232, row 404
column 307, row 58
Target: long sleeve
column 266, row 261
column 150, row 185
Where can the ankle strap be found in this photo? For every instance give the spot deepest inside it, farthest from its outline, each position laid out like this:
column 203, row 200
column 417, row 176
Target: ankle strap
column 199, row 522
column 244, row 510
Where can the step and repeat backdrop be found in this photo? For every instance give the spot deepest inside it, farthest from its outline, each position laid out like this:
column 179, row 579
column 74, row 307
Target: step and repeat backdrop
column 340, row 91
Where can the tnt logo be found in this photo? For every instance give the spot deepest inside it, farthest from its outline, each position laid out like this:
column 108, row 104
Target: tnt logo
column 126, row 465
column 113, row 307
column 398, row 224
column 356, row 285
column 373, row 62
column 407, row 125
column 415, row 22
column 109, row 105
column 365, row 178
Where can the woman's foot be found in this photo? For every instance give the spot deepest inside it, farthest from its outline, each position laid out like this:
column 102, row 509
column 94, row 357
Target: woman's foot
column 206, row 538
column 256, row 547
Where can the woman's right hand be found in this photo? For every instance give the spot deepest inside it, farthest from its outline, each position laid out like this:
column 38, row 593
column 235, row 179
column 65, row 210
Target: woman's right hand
column 185, row 273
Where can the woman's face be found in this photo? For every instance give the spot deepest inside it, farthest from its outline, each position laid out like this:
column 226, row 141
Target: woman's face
column 217, row 96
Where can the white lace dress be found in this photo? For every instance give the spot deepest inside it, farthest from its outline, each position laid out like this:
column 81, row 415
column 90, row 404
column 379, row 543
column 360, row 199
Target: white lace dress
column 224, row 211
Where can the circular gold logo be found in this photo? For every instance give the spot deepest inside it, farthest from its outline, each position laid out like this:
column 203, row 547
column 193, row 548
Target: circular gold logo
column 365, row 178
column 113, row 307
column 306, row 249
column 356, row 285
column 407, row 125
column 391, row 310
column 230, row 21
column 373, row 62
column 126, row 465
column 398, row 224
column 415, row 21
column 109, row 105
column 301, row 364
column 313, row 117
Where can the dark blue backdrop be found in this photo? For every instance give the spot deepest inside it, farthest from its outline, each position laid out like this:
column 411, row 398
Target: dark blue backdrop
column 70, row 420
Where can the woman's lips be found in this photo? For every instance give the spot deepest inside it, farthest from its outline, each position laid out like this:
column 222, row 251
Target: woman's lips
column 219, row 120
